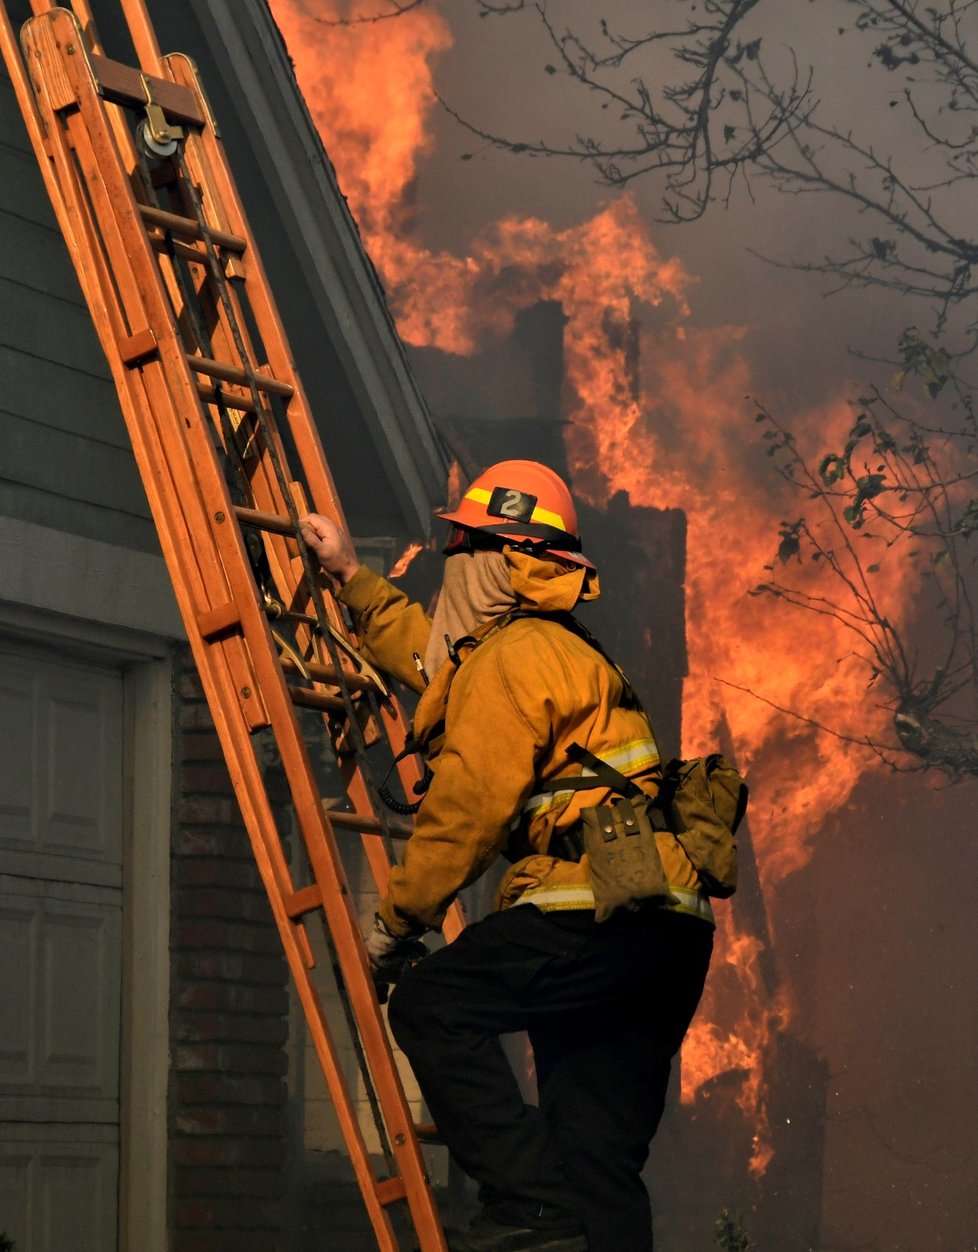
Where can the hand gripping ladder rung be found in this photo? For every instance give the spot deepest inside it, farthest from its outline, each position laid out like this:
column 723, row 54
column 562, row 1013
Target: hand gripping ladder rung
column 137, row 176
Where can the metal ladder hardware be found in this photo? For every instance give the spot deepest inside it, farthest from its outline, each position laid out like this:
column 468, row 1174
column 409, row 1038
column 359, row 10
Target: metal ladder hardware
column 140, row 185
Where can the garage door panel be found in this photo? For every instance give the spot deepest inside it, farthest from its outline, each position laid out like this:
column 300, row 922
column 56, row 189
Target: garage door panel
column 18, row 976
column 80, row 956
column 77, row 1197
column 61, row 975
column 58, row 1188
column 16, row 1182
column 17, row 701
column 61, row 730
column 83, row 738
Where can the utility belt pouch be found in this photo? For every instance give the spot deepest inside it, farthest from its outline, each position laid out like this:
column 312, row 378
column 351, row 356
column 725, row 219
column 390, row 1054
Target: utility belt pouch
column 703, row 801
column 623, row 859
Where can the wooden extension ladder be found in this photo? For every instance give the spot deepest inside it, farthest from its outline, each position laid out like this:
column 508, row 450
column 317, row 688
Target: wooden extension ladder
column 142, row 192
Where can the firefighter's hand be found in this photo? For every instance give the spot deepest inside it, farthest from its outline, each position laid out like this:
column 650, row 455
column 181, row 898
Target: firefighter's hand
column 390, row 955
column 332, row 546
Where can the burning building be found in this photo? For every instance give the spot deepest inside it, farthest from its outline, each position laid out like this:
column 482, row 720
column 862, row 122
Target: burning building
column 656, row 415
column 826, row 1092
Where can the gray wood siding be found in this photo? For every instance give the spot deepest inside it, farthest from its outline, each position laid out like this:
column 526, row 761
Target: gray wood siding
column 68, row 466
column 65, row 459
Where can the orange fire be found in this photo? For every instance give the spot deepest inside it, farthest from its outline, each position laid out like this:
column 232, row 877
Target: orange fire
column 403, row 562
column 680, row 436
column 710, row 1050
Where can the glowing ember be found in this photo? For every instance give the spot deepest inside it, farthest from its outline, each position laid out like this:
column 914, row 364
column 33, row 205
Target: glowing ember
column 678, row 437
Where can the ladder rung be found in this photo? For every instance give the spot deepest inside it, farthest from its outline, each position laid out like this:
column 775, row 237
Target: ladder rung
column 327, row 674
column 232, row 374
column 274, row 522
column 305, row 900
column 190, row 229
column 390, row 1190
column 316, row 700
column 428, row 1132
column 208, row 394
column 366, row 824
column 221, row 620
column 185, row 251
column 135, row 349
column 122, row 84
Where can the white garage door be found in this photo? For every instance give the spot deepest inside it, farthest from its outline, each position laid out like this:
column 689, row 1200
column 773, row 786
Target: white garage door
column 61, row 822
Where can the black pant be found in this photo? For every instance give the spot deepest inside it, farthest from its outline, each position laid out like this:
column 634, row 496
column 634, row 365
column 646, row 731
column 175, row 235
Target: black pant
column 606, row 1007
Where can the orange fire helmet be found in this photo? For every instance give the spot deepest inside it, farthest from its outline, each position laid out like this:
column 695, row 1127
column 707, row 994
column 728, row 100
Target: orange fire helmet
column 522, row 502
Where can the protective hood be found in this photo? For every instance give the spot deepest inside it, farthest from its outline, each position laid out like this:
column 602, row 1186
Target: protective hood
column 549, row 586
column 480, row 586
column 475, row 588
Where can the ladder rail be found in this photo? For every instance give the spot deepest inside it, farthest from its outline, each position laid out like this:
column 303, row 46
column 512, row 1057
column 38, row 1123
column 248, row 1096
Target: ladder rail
column 143, row 36
column 205, row 156
column 219, row 686
column 213, row 165
column 228, row 629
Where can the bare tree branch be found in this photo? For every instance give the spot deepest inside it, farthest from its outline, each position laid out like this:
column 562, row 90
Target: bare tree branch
column 398, row 9
column 866, row 743
column 678, row 131
column 725, row 115
column 892, row 493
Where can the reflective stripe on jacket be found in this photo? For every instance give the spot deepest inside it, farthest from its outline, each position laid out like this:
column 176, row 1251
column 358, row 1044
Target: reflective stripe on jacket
column 629, row 758
column 493, row 728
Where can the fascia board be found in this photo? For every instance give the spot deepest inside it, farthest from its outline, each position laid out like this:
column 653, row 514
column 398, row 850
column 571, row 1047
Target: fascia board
column 66, row 576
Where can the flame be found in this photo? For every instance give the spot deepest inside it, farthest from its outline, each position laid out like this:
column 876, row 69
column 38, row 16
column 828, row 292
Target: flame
column 403, row 562
column 672, row 436
column 712, row 1051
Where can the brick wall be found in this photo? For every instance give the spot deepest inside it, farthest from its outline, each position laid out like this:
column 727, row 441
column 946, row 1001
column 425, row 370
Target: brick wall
column 228, row 1020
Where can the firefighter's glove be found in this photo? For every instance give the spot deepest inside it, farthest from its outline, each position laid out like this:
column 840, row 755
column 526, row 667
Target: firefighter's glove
column 390, row 955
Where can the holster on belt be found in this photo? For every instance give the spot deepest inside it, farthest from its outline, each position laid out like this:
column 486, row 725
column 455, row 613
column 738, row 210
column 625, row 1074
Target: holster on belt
column 623, row 858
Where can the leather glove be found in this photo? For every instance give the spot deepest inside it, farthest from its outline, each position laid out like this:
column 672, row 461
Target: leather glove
column 390, row 955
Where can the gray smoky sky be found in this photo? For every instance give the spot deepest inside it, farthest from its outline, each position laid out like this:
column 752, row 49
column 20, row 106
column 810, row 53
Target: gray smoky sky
column 800, row 337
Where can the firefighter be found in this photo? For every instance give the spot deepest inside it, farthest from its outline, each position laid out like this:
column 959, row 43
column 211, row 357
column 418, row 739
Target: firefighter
column 605, row 1004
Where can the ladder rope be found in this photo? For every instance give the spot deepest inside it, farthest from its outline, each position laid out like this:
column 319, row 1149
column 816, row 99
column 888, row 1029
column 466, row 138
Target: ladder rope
column 313, row 585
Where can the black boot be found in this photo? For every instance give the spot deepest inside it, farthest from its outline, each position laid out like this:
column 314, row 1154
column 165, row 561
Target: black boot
column 486, row 1235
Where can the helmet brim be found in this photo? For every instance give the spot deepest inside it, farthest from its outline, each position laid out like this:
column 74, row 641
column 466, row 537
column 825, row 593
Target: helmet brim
column 463, row 521
column 575, row 558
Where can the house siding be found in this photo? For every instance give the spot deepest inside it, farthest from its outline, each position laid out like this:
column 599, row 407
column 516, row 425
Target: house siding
column 78, row 547
column 66, row 462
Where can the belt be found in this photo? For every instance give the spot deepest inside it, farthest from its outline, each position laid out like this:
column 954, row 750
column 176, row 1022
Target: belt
column 557, row 899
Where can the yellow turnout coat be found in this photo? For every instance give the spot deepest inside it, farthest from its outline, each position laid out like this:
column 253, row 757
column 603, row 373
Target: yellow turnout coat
column 493, row 728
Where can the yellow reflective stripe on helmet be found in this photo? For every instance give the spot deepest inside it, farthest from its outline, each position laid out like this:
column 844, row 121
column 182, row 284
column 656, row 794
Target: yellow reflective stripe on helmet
column 539, row 514
column 629, row 758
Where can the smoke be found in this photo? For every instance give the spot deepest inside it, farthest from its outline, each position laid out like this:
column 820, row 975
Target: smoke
column 465, row 237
